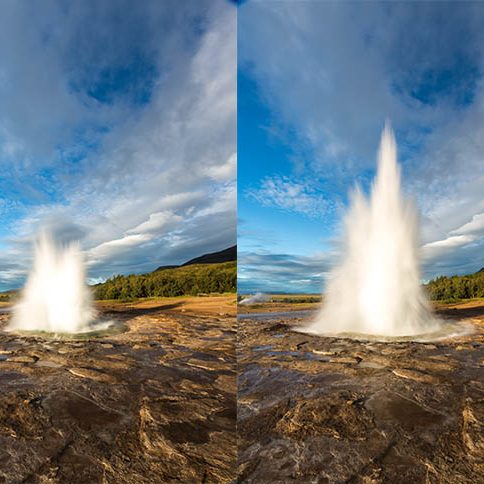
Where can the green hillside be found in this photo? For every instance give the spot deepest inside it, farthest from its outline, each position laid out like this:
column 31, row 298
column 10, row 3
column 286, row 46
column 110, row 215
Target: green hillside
column 226, row 255
column 185, row 280
column 456, row 287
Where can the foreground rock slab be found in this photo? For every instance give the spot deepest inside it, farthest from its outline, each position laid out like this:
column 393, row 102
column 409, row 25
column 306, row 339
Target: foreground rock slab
column 154, row 403
column 331, row 410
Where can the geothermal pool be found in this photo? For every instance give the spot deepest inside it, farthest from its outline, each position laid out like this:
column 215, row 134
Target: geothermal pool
column 447, row 328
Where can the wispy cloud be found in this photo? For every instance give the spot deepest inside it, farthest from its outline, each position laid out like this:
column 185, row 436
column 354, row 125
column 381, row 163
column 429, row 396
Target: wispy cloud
column 340, row 69
column 290, row 195
column 266, row 272
column 118, row 122
column 459, row 249
column 452, row 241
column 156, row 222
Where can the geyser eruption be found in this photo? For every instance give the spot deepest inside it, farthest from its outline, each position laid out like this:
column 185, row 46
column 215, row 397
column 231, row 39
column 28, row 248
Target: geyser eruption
column 376, row 289
column 254, row 299
column 55, row 298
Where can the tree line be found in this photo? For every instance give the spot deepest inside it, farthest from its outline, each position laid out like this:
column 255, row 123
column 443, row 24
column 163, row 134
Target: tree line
column 180, row 281
column 445, row 288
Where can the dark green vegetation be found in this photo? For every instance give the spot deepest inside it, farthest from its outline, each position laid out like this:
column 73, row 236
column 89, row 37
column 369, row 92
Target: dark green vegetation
column 179, row 281
column 456, row 287
column 7, row 296
column 298, row 299
column 287, row 299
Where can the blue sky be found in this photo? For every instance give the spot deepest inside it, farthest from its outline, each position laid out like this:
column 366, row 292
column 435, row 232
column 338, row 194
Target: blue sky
column 118, row 129
column 316, row 81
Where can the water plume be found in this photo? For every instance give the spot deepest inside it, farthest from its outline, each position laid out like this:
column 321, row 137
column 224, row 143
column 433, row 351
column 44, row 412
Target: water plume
column 254, row 299
column 376, row 289
column 55, row 297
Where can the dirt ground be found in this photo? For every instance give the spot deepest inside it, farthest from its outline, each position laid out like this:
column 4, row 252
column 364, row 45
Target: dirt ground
column 224, row 305
column 278, row 303
column 152, row 403
column 333, row 410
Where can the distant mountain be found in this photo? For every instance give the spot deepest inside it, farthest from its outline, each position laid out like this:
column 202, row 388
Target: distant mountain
column 226, row 255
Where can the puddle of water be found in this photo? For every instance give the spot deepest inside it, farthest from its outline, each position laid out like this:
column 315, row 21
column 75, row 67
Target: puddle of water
column 393, row 407
column 87, row 413
column 198, row 355
column 278, row 315
column 302, row 355
column 262, row 348
column 98, row 330
column 10, row 376
column 186, row 432
column 449, row 330
column 264, row 386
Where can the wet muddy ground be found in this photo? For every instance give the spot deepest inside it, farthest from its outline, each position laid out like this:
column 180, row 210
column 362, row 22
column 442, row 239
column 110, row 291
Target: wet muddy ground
column 328, row 410
column 154, row 403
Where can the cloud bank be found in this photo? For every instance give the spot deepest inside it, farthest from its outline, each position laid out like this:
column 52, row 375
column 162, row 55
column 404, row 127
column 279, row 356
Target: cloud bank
column 117, row 128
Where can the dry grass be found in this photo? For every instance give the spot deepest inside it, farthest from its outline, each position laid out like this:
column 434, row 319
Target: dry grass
column 283, row 303
column 222, row 304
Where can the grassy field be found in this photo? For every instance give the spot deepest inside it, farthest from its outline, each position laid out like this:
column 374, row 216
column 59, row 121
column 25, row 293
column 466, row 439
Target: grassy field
column 282, row 303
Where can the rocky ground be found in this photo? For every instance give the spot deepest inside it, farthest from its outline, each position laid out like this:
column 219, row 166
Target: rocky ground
column 154, row 403
column 329, row 410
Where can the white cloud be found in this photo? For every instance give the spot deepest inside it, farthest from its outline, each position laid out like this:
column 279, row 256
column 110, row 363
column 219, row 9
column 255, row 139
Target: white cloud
column 475, row 225
column 145, row 185
column 452, row 241
column 156, row 222
column 332, row 72
column 264, row 272
column 227, row 171
column 289, row 195
column 467, row 239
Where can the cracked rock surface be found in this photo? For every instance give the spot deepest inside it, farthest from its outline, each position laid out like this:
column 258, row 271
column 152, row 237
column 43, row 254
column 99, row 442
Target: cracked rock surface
column 154, row 403
column 331, row 410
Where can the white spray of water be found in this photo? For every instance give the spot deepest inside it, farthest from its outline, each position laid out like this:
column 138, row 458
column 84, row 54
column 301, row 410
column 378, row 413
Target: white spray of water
column 376, row 289
column 55, row 297
column 255, row 299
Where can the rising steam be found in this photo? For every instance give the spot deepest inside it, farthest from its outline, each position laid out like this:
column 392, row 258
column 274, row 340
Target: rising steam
column 55, row 297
